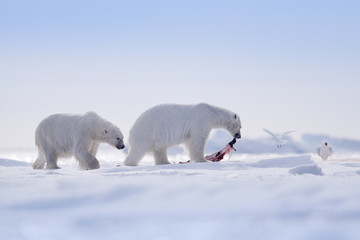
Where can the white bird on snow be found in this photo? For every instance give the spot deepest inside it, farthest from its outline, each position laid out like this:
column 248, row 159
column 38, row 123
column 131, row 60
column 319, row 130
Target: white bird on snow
column 324, row 151
column 277, row 138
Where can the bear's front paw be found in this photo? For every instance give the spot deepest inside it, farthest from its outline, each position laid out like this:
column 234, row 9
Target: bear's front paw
column 130, row 163
column 91, row 165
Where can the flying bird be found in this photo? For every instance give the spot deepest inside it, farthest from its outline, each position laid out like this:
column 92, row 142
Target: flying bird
column 324, row 151
column 277, row 138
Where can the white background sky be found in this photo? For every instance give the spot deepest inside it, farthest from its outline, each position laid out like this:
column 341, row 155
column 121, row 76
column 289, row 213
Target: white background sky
column 278, row 64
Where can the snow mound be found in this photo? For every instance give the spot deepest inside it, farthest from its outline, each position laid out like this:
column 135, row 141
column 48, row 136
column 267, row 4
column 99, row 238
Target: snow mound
column 12, row 163
column 283, row 162
column 307, row 169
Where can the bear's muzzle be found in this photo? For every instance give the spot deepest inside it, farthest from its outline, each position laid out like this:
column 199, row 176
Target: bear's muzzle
column 120, row 146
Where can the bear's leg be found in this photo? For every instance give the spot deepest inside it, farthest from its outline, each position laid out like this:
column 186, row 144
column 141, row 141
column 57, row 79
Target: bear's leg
column 196, row 149
column 94, row 148
column 51, row 159
column 86, row 160
column 135, row 155
column 160, row 156
column 40, row 161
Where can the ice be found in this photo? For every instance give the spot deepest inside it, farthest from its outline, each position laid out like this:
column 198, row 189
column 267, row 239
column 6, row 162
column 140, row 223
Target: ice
column 267, row 196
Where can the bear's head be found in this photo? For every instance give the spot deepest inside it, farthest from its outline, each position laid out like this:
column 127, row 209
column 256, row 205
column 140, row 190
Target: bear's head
column 114, row 137
column 234, row 125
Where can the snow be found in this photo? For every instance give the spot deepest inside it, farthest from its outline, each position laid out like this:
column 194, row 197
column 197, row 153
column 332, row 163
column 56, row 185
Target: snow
column 307, row 169
column 250, row 196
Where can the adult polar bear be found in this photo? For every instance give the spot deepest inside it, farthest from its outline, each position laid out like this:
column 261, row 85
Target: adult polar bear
column 167, row 125
column 64, row 135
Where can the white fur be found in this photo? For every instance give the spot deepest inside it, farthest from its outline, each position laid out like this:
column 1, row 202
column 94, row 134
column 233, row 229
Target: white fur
column 64, row 135
column 167, row 125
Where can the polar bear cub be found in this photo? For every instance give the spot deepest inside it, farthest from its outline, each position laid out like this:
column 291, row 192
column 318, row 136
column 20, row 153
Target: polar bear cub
column 64, row 135
column 167, row 125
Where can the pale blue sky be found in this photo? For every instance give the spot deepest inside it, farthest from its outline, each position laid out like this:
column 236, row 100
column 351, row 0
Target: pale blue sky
column 278, row 64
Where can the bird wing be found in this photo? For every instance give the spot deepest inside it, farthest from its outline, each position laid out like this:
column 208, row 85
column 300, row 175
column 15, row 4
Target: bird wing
column 290, row 131
column 318, row 151
column 269, row 132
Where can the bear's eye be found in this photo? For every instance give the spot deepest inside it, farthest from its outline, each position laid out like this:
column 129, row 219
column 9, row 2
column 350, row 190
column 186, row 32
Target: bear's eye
column 105, row 131
column 235, row 116
column 118, row 138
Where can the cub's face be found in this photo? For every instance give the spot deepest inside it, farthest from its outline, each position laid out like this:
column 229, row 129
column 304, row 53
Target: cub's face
column 235, row 126
column 114, row 137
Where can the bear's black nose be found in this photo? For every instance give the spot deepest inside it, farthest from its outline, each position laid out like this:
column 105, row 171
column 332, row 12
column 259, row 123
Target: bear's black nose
column 120, row 146
column 237, row 135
